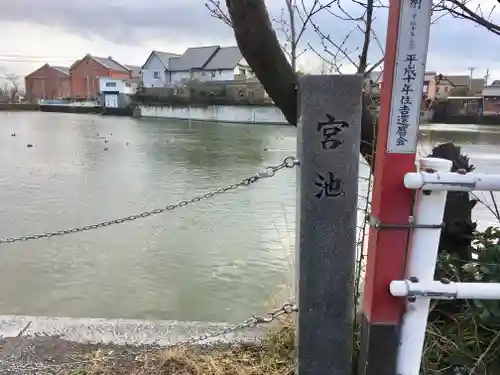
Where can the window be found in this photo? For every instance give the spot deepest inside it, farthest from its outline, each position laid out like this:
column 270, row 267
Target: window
column 156, row 75
column 437, row 90
column 446, row 89
column 110, row 84
column 213, row 73
column 127, row 84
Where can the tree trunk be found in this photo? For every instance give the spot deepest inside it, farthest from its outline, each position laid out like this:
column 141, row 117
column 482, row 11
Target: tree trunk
column 363, row 58
column 260, row 48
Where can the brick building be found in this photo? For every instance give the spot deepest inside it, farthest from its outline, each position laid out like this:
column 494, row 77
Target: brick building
column 85, row 73
column 48, row 82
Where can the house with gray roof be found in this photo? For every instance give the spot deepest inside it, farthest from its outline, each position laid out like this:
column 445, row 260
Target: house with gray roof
column 154, row 70
column 209, row 63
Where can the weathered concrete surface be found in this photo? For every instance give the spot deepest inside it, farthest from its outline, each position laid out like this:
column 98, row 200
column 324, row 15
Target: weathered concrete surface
column 118, row 331
column 328, row 149
column 42, row 345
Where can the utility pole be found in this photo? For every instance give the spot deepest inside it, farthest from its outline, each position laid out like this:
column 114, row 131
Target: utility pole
column 486, row 77
column 471, row 69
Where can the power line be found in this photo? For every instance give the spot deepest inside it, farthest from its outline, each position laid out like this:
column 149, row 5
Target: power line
column 23, row 56
column 35, row 62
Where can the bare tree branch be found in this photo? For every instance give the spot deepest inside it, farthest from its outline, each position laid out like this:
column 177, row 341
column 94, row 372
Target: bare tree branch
column 293, row 23
column 460, row 9
column 375, row 66
column 334, row 66
column 216, row 11
column 339, row 48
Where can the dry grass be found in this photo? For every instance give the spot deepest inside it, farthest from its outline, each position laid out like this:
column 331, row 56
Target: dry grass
column 274, row 355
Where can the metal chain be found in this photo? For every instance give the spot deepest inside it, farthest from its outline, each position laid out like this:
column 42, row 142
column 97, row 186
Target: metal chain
column 286, row 309
column 254, row 321
column 288, row 162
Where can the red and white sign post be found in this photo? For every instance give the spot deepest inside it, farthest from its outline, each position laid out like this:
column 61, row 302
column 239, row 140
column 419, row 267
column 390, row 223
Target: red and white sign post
column 404, row 69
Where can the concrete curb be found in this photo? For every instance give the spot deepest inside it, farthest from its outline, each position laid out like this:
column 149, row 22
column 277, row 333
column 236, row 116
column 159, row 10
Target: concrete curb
column 119, row 331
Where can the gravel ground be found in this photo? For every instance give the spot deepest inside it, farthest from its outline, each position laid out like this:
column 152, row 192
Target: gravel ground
column 45, row 355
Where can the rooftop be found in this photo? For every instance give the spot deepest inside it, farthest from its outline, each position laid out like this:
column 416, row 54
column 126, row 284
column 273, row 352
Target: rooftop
column 193, row 58
column 136, row 70
column 225, row 58
column 108, row 62
column 207, row 58
column 461, row 80
column 62, row 69
column 165, row 57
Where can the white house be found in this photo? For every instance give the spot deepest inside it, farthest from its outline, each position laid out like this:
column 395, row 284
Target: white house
column 213, row 63
column 115, row 92
column 154, row 70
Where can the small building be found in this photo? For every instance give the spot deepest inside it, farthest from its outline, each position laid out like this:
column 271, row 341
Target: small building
column 85, row 74
column 116, row 92
column 442, row 86
column 211, row 63
column 154, row 71
column 48, row 82
column 464, row 105
column 491, row 99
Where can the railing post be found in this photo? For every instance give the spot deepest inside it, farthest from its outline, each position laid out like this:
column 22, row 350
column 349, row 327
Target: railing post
column 404, row 68
column 327, row 184
column 428, row 218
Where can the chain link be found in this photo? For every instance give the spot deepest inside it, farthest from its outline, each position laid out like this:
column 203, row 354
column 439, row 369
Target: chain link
column 288, row 162
column 254, row 321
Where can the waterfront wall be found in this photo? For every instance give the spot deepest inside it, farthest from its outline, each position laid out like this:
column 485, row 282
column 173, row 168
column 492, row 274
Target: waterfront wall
column 18, row 107
column 218, row 113
column 466, row 119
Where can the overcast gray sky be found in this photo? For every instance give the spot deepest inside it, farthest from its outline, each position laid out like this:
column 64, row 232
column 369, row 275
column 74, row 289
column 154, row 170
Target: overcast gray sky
column 58, row 31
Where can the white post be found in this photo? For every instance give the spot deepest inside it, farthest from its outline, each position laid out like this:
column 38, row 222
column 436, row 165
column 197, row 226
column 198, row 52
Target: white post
column 429, row 211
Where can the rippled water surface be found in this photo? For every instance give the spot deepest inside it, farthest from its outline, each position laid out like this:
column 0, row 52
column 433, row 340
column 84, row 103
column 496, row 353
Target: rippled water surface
column 222, row 259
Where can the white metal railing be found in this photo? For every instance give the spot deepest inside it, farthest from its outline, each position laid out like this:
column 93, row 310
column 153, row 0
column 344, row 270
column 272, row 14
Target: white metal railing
column 432, row 183
column 452, row 181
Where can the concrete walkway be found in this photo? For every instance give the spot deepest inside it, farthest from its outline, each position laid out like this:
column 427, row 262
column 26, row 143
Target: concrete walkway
column 118, row 331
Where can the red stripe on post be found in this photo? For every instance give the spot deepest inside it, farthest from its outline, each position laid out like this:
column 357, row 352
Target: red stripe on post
column 391, row 201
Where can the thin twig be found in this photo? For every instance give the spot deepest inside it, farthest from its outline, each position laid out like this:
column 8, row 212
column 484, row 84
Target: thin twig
column 480, row 359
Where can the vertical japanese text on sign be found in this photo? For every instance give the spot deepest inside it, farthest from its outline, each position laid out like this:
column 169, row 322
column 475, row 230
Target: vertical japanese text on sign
column 329, row 185
column 407, row 93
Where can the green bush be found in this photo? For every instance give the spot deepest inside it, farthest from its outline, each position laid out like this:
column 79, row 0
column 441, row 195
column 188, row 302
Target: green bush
column 464, row 335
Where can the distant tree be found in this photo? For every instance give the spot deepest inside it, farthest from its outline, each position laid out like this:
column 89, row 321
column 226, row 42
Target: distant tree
column 4, row 93
column 13, row 85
